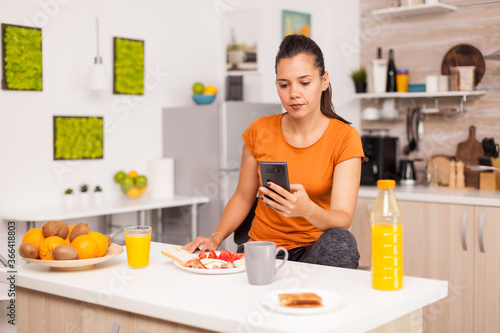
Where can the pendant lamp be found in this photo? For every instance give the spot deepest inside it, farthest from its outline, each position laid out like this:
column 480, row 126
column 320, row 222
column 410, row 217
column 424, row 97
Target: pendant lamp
column 98, row 79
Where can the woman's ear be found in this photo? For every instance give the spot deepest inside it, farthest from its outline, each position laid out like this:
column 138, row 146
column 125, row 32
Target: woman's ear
column 326, row 81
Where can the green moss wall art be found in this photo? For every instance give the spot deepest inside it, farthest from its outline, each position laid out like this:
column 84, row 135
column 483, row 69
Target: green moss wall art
column 78, row 138
column 21, row 58
column 128, row 66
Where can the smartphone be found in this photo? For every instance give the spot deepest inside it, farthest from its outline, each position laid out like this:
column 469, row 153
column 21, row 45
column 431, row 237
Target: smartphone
column 276, row 172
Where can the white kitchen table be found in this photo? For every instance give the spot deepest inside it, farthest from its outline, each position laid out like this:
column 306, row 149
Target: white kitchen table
column 110, row 207
column 112, row 295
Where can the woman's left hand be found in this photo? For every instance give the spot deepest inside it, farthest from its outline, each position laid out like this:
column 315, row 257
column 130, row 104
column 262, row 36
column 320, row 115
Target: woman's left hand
column 289, row 204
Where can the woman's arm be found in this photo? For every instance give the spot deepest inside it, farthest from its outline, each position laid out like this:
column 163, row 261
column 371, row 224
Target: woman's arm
column 346, row 178
column 237, row 207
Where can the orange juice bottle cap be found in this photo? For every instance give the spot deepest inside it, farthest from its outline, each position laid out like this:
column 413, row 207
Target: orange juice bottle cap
column 386, row 183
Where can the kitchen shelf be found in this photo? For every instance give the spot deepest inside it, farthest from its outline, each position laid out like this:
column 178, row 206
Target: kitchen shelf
column 462, row 94
column 416, row 10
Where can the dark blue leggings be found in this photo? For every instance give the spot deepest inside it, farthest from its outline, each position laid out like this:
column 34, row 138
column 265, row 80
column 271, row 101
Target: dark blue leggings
column 335, row 247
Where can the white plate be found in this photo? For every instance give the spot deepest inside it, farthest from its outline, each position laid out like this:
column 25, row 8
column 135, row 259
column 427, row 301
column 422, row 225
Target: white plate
column 211, row 271
column 77, row 265
column 330, row 300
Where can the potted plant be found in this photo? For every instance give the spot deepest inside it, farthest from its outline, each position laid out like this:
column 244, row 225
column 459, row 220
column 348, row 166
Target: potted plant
column 84, row 194
column 69, row 198
column 98, row 195
column 359, row 78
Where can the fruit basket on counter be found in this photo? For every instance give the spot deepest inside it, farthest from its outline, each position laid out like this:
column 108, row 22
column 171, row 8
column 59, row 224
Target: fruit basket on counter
column 133, row 185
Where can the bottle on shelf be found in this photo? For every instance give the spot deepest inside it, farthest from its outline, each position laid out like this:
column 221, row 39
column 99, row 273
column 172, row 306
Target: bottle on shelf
column 379, row 73
column 391, row 73
column 387, row 239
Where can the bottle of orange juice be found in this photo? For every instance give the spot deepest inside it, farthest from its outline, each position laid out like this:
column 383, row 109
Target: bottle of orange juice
column 387, row 239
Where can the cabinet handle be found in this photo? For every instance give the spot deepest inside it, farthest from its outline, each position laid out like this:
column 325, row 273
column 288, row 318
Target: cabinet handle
column 464, row 230
column 481, row 232
column 115, row 327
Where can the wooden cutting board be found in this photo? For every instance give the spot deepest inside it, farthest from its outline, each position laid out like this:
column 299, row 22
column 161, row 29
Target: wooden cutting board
column 469, row 152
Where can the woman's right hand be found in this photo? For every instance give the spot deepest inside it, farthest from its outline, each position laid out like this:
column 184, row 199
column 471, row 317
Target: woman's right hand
column 202, row 243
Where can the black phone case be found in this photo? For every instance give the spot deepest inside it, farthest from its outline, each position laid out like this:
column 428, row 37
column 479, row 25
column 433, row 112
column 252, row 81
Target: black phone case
column 276, row 172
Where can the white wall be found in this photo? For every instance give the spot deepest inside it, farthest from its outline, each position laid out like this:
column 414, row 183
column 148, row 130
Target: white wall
column 183, row 44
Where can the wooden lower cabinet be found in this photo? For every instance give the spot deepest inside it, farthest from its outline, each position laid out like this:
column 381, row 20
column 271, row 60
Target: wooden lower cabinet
column 44, row 313
column 487, row 270
column 457, row 243
column 361, row 229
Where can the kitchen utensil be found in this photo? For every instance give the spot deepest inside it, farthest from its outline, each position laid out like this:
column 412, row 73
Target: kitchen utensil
column 443, row 164
column 371, row 113
column 413, row 127
column 464, row 55
column 482, row 168
column 490, row 147
column 407, row 172
column 469, row 152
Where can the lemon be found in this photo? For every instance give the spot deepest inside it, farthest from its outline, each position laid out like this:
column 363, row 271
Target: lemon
column 210, row 90
column 132, row 174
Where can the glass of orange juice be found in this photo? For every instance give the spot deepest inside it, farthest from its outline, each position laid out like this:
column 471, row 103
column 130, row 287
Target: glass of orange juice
column 137, row 242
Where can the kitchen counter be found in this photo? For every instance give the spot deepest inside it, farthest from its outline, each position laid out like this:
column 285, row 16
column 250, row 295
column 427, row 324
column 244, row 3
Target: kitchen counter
column 226, row 303
column 438, row 195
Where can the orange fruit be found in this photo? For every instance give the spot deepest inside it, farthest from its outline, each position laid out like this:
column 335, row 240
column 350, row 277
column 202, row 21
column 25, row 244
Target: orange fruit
column 132, row 174
column 86, row 247
column 33, row 236
column 102, row 242
column 134, row 192
column 48, row 245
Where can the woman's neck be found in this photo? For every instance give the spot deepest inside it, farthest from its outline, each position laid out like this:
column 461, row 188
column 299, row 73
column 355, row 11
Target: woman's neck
column 306, row 131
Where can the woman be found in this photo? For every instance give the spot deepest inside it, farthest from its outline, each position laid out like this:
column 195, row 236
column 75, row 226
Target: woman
column 324, row 156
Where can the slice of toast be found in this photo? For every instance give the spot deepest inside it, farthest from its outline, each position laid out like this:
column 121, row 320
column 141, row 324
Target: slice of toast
column 300, row 300
column 179, row 255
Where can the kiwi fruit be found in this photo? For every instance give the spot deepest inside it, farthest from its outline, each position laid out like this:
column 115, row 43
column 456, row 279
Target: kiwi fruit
column 55, row 228
column 65, row 252
column 79, row 229
column 28, row 250
column 108, row 237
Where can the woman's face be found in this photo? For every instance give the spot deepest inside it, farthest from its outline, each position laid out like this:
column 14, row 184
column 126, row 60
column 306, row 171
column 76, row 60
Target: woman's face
column 300, row 85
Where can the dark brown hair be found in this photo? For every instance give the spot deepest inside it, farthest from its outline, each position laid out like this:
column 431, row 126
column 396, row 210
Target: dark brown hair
column 293, row 45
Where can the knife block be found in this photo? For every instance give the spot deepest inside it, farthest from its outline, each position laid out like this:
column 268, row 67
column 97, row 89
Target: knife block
column 487, row 181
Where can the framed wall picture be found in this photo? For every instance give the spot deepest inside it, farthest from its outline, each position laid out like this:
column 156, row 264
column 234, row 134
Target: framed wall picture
column 241, row 36
column 78, row 138
column 21, row 58
column 128, row 66
column 296, row 23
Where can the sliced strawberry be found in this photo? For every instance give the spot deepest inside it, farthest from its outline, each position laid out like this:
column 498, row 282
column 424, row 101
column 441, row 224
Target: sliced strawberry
column 202, row 254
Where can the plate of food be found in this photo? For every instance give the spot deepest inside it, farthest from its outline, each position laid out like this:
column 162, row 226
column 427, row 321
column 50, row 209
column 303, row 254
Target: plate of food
column 213, row 263
column 78, row 264
column 303, row 301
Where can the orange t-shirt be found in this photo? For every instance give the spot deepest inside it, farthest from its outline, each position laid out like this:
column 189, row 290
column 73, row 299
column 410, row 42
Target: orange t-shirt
column 311, row 166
